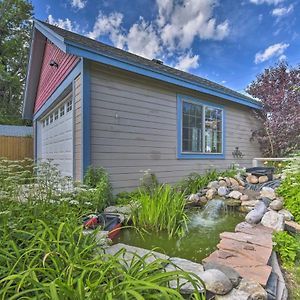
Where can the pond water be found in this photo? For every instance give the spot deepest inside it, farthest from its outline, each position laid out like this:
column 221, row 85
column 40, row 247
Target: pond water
column 204, row 228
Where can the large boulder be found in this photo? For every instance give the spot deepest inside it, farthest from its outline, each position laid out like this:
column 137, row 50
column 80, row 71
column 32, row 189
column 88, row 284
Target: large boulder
column 276, row 205
column 232, row 274
column 263, row 179
column 234, row 295
column 211, row 193
column 253, row 288
column 216, row 282
column 255, row 215
column 235, row 195
column 222, row 191
column 268, row 192
column 273, row 220
column 233, row 181
column 287, row 214
column 244, row 198
column 252, row 179
column 213, row 184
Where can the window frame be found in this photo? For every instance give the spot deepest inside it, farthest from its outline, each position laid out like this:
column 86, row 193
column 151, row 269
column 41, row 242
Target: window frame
column 198, row 155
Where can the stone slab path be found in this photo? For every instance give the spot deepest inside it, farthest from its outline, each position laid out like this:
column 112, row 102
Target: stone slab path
column 247, row 250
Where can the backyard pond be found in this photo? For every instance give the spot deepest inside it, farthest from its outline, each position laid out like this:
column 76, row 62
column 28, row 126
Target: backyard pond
column 204, row 228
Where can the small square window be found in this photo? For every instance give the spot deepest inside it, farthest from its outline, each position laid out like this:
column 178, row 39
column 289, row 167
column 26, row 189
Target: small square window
column 69, row 105
column 56, row 115
column 51, row 118
column 62, row 110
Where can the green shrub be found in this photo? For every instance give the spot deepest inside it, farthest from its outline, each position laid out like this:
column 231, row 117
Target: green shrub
column 148, row 182
column 125, row 198
column 101, row 190
column 163, row 209
column 287, row 247
column 290, row 188
column 195, row 181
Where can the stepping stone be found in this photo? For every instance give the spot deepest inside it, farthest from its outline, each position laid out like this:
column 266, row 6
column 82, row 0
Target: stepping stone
column 264, row 240
column 251, row 251
column 253, row 229
column 186, row 287
column 247, row 268
column 132, row 253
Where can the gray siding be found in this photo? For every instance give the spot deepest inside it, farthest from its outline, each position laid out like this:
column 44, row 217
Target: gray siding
column 134, row 128
column 77, row 128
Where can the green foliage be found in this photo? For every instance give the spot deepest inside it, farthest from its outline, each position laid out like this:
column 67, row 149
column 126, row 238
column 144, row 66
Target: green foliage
column 287, row 247
column 44, row 253
column 149, row 182
column 125, row 198
column 163, row 209
column 14, row 47
column 290, row 188
column 100, row 191
column 195, row 181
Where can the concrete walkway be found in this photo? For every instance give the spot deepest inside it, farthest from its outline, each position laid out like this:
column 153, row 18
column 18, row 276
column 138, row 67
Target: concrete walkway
column 247, row 250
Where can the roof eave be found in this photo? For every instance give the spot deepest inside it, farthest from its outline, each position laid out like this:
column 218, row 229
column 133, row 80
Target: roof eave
column 91, row 54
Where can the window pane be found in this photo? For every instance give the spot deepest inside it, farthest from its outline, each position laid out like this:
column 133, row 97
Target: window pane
column 192, row 127
column 213, row 130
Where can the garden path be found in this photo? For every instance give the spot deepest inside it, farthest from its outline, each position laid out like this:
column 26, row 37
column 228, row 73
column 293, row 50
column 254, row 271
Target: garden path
column 247, row 250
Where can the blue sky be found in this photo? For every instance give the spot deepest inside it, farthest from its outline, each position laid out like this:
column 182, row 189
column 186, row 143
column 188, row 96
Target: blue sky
column 226, row 41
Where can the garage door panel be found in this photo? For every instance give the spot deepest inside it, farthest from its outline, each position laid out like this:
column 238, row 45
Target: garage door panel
column 57, row 138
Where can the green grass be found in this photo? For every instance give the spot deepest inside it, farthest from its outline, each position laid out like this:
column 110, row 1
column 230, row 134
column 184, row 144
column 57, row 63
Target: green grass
column 163, row 209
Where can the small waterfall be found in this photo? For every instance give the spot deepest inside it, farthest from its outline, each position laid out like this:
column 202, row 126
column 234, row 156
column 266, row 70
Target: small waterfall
column 210, row 215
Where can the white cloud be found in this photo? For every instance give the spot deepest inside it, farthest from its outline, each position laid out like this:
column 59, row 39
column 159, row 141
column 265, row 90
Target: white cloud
column 282, row 57
column 283, row 11
column 171, row 33
column 271, row 51
column 275, row 2
column 62, row 23
column 143, row 40
column 187, row 61
column 187, row 20
column 108, row 25
column 79, row 4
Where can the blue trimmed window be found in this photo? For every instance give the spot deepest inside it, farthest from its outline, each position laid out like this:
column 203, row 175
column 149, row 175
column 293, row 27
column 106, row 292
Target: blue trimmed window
column 200, row 129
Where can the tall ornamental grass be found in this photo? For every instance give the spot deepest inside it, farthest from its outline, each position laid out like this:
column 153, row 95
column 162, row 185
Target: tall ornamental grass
column 163, row 209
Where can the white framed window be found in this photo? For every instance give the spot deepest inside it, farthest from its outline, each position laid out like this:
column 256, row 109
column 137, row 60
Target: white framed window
column 56, row 115
column 47, row 121
column 69, row 105
column 200, row 129
column 51, row 118
column 62, row 110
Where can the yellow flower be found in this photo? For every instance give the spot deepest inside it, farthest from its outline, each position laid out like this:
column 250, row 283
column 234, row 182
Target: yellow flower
column 265, row 163
column 279, row 165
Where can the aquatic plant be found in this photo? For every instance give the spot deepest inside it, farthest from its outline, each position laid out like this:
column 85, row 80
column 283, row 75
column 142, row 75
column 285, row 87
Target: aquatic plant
column 163, row 209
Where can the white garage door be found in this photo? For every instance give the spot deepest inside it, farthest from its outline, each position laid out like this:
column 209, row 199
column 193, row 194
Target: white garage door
column 56, row 136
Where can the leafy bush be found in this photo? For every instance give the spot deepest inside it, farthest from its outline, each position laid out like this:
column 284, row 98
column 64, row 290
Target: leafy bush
column 195, row 181
column 290, row 188
column 148, row 182
column 125, row 198
column 101, row 192
column 163, row 209
column 287, row 247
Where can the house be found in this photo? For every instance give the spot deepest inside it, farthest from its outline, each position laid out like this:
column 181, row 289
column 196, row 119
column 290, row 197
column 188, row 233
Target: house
column 93, row 104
